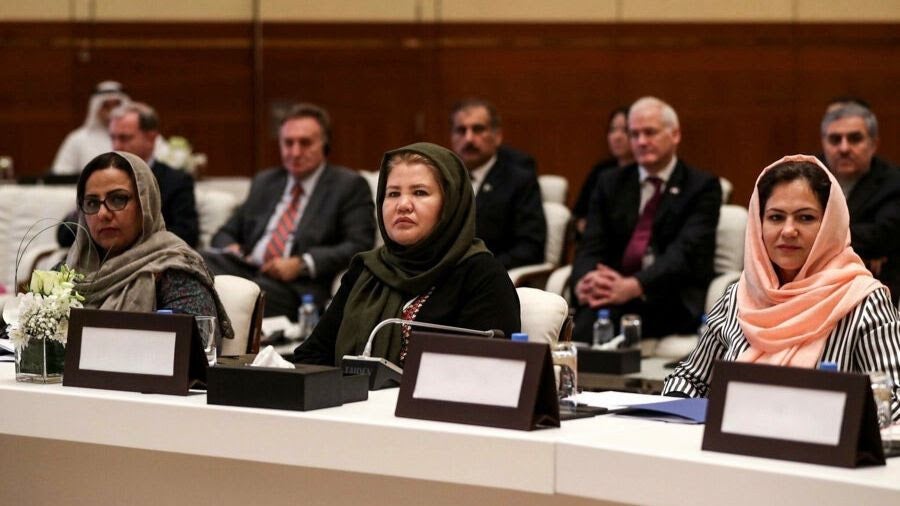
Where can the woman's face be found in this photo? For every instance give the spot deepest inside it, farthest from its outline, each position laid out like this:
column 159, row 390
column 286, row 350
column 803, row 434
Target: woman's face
column 114, row 231
column 617, row 137
column 412, row 205
column 791, row 222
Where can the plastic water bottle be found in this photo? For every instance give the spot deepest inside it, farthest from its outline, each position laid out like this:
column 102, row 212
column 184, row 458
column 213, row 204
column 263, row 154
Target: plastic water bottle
column 307, row 316
column 603, row 328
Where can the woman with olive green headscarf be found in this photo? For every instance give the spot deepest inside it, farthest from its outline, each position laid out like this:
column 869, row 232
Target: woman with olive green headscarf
column 431, row 267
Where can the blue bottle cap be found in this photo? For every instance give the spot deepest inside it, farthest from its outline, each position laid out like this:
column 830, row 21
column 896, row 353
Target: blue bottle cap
column 828, row 366
column 164, row 311
column 603, row 313
column 308, row 298
column 519, row 336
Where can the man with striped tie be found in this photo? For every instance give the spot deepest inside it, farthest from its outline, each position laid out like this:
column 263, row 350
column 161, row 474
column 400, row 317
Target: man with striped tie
column 301, row 222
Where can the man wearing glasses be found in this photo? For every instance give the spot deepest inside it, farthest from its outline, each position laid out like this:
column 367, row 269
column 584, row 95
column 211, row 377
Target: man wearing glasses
column 871, row 186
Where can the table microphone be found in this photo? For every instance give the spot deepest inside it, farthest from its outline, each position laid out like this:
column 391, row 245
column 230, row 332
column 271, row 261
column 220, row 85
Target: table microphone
column 385, row 374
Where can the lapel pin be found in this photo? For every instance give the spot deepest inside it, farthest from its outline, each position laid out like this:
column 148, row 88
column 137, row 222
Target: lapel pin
column 486, row 187
column 674, row 190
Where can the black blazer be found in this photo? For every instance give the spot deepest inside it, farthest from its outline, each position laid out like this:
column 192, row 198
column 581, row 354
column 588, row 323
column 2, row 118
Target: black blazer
column 179, row 207
column 874, row 204
column 684, row 232
column 510, row 215
column 476, row 294
column 337, row 223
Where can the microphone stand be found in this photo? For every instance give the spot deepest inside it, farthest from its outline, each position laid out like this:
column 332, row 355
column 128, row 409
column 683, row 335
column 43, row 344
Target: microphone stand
column 385, row 374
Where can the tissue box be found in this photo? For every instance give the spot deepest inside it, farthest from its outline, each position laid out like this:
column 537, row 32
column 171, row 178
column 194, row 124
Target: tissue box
column 304, row 388
column 620, row 361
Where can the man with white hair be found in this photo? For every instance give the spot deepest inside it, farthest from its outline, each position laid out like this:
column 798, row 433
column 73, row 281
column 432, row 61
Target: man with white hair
column 650, row 239
column 871, row 185
column 92, row 138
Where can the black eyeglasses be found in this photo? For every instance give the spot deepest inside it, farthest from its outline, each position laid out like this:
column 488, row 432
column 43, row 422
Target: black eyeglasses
column 114, row 201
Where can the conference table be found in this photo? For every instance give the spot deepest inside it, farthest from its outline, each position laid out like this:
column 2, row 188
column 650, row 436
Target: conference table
column 67, row 445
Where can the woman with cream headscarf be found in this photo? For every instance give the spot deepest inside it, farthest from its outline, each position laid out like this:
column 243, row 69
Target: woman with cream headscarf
column 129, row 260
column 431, row 267
column 804, row 297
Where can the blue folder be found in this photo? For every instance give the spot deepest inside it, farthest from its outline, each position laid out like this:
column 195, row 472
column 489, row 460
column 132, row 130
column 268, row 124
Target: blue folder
column 691, row 411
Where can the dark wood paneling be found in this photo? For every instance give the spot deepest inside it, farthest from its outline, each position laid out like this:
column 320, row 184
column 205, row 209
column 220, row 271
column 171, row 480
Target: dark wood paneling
column 746, row 93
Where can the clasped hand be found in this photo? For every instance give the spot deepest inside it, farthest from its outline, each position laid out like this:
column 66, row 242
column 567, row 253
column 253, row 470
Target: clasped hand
column 604, row 286
column 282, row 269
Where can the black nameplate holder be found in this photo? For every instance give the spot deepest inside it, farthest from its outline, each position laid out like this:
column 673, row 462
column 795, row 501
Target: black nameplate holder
column 618, row 361
column 790, row 413
column 137, row 352
column 477, row 381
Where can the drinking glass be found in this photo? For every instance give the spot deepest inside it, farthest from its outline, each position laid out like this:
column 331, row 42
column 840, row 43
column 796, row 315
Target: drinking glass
column 565, row 361
column 881, row 390
column 206, row 325
column 630, row 327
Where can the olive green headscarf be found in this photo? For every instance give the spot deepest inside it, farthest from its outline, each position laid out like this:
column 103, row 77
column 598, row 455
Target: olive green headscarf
column 394, row 274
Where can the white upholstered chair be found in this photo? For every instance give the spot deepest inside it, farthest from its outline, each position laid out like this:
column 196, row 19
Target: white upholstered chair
column 557, row 217
column 729, row 262
column 545, row 315
column 244, row 302
column 553, row 188
column 727, row 188
column 214, row 207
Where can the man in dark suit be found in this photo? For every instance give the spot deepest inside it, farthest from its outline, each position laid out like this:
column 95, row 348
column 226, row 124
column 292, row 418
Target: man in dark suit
column 301, row 222
column 872, row 188
column 134, row 128
column 509, row 212
column 651, row 233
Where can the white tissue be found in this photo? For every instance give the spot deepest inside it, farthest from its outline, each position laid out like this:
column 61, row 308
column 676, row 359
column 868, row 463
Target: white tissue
column 268, row 357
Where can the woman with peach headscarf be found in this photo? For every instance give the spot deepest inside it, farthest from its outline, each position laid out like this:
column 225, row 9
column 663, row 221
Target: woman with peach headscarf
column 804, row 297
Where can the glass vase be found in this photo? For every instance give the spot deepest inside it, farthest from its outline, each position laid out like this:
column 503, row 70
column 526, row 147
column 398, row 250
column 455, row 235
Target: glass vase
column 40, row 361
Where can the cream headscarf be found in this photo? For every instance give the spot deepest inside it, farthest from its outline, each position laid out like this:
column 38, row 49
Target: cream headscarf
column 788, row 324
column 127, row 281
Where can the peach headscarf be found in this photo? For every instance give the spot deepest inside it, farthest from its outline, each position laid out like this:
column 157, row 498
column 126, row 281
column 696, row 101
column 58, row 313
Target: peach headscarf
column 788, row 324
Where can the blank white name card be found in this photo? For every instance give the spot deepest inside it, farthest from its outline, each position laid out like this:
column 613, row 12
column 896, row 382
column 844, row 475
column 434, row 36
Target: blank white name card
column 470, row 379
column 133, row 351
column 781, row 412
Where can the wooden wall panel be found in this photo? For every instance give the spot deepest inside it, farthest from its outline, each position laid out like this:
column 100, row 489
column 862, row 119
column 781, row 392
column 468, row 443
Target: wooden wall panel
column 746, row 93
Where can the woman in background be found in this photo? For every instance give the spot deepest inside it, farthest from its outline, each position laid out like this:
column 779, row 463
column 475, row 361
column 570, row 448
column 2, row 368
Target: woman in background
column 804, row 297
column 619, row 148
column 431, row 267
column 129, row 261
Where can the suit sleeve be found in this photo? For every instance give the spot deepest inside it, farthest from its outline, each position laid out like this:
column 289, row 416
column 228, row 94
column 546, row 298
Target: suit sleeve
column 356, row 221
column 183, row 207
column 880, row 236
column 231, row 231
column 529, row 226
column 594, row 247
column 691, row 254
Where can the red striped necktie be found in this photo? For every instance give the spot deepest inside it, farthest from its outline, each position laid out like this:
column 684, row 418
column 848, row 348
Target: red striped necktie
column 633, row 258
column 285, row 227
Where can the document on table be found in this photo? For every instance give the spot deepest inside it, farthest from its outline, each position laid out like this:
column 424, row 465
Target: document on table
column 617, row 400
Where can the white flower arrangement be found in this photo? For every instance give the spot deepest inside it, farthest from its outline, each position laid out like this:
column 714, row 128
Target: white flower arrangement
column 43, row 312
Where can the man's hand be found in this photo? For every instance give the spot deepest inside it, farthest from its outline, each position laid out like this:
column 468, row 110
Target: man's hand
column 234, row 248
column 606, row 287
column 283, row 269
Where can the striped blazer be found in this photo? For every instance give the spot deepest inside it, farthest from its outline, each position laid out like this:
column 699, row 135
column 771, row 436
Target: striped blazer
column 867, row 339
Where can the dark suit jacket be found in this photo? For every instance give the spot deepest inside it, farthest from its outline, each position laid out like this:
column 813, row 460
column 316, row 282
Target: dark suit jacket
column 337, row 223
column 177, row 204
column 510, row 216
column 874, row 204
column 512, row 156
column 179, row 208
column 475, row 294
column 684, row 233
